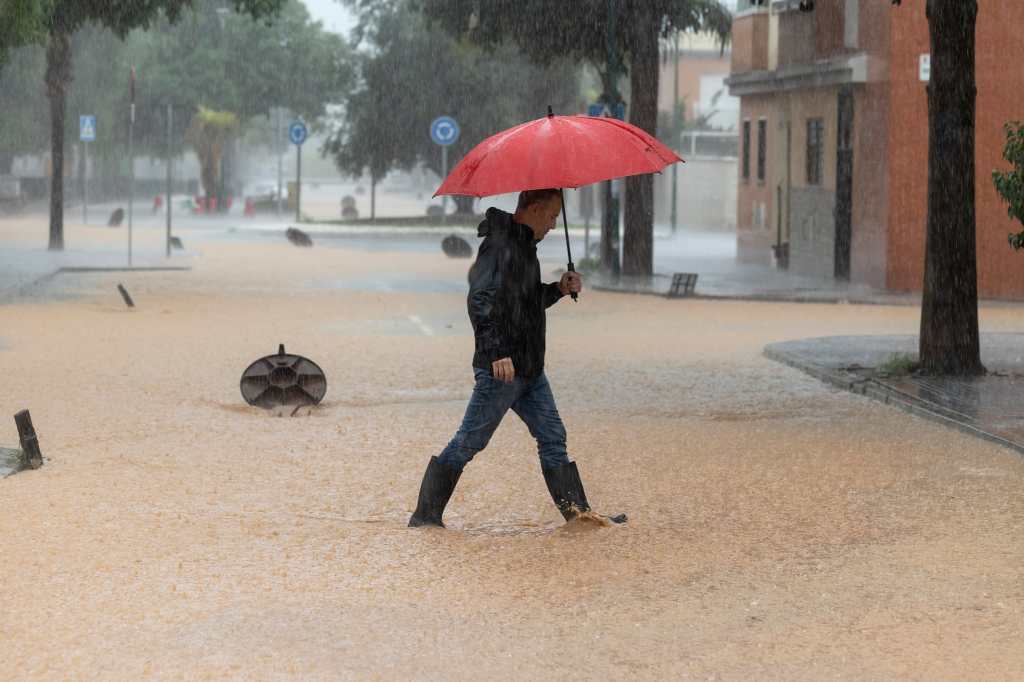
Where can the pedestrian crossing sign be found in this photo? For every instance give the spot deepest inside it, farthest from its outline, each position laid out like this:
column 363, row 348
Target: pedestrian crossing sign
column 87, row 128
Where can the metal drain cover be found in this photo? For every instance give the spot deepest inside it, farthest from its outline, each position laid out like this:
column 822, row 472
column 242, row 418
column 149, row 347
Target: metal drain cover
column 283, row 379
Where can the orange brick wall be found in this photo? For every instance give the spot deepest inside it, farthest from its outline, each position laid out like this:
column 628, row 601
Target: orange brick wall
column 829, row 23
column 1000, row 81
column 868, row 258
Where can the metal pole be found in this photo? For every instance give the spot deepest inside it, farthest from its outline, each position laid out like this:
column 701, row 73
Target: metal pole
column 170, row 188
column 131, row 165
column 675, row 132
column 568, row 248
column 85, row 180
column 279, row 144
column 298, row 180
column 444, row 174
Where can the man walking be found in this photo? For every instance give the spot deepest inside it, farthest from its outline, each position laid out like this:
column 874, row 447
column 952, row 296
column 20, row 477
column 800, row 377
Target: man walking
column 507, row 304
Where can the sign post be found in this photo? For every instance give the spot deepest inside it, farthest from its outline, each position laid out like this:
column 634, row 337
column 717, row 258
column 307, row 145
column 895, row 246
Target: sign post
column 87, row 134
column 131, row 161
column 170, row 187
column 444, row 131
column 297, row 133
column 279, row 148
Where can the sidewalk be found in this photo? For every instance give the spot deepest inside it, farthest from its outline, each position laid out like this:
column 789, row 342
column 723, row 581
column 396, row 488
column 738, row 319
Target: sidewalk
column 26, row 264
column 988, row 407
column 712, row 256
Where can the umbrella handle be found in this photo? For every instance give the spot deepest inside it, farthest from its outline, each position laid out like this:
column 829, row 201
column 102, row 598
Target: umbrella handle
column 568, row 249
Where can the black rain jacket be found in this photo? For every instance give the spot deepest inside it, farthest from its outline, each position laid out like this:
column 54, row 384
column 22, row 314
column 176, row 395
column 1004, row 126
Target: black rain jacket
column 506, row 299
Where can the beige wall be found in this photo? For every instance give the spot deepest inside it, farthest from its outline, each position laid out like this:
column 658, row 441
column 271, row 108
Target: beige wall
column 691, row 67
column 706, row 190
column 817, row 103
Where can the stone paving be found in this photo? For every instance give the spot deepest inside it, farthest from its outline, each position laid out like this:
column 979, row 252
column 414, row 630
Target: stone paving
column 989, row 407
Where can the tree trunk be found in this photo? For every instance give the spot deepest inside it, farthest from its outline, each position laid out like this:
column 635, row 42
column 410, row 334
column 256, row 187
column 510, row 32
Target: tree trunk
column 373, row 197
column 638, row 237
column 6, row 162
column 58, row 78
column 949, row 308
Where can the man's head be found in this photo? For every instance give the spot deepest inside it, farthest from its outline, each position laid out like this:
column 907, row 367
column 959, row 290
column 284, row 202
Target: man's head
column 539, row 209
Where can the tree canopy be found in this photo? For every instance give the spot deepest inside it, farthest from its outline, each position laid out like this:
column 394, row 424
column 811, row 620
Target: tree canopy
column 411, row 72
column 56, row 22
column 577, row 30
column 236, row 64
column 616, row 37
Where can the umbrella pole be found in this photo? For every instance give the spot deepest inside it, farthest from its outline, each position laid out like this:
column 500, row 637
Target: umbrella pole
column 568, row 249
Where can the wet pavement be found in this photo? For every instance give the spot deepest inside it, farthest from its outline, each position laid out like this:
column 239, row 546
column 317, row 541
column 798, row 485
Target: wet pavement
column 990, row 406
column 10, row 461
column 779, row 528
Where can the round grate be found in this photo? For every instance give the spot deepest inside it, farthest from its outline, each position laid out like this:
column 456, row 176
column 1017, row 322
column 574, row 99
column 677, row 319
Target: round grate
column 283, row 379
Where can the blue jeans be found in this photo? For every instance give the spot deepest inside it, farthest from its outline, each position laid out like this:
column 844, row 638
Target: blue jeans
column 531, row 399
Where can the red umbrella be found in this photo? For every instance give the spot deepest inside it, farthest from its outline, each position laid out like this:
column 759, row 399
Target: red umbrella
column 557, row 151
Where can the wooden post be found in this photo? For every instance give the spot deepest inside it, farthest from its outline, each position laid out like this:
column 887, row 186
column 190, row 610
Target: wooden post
column 33, row 458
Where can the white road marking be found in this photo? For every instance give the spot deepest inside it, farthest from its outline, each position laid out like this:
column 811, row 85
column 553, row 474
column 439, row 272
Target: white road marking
column 415, row 319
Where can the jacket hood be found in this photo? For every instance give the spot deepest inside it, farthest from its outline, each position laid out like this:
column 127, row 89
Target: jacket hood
column 496, row 221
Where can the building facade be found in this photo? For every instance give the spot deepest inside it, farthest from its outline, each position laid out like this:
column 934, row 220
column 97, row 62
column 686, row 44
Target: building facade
column 833, row 170
column 694, row 67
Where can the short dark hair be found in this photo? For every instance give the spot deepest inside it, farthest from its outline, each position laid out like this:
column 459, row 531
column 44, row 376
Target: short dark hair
column 536, row 196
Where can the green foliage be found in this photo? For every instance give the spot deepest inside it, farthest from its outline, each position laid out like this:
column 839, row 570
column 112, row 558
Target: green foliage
column 21, row 23
column 236, row 64
column 1010, row 184
column 21, row 81
column 94, row 89
column 899, row 364
column 223, row 61
column 413, row 72
column 577, row 30
column 25, row 21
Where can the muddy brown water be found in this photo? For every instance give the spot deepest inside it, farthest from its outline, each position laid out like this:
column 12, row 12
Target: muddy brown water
column 778, row 529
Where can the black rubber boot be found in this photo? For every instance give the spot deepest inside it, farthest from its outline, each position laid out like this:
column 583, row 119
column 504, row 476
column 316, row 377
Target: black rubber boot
column 435, row 491
column 566, row 490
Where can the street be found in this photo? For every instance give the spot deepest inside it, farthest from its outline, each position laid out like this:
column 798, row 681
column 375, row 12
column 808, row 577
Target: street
column 779, row 529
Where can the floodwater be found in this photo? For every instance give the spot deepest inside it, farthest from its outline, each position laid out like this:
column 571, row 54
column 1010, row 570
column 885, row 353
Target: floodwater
column 778, row 529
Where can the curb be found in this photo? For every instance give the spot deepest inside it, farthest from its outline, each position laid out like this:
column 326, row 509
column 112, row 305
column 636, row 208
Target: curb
column 152, row 268
column 756, row 298
column 874, row 389
column 19, row 290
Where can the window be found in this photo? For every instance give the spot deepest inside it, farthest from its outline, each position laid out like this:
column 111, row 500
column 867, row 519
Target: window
column 762, row 147
column 815, row 150
column 746, row 150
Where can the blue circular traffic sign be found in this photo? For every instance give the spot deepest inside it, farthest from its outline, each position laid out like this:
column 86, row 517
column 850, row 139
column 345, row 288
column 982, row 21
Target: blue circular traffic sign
column 444, row 131
column 297, row 132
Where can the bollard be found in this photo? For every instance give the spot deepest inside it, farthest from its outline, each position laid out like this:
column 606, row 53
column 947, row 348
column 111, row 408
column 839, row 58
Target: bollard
column 33, row 458
column 298, row 237
column 124, row 294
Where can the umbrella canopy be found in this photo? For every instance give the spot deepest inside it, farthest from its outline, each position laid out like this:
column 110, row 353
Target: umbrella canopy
column 556, row 151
